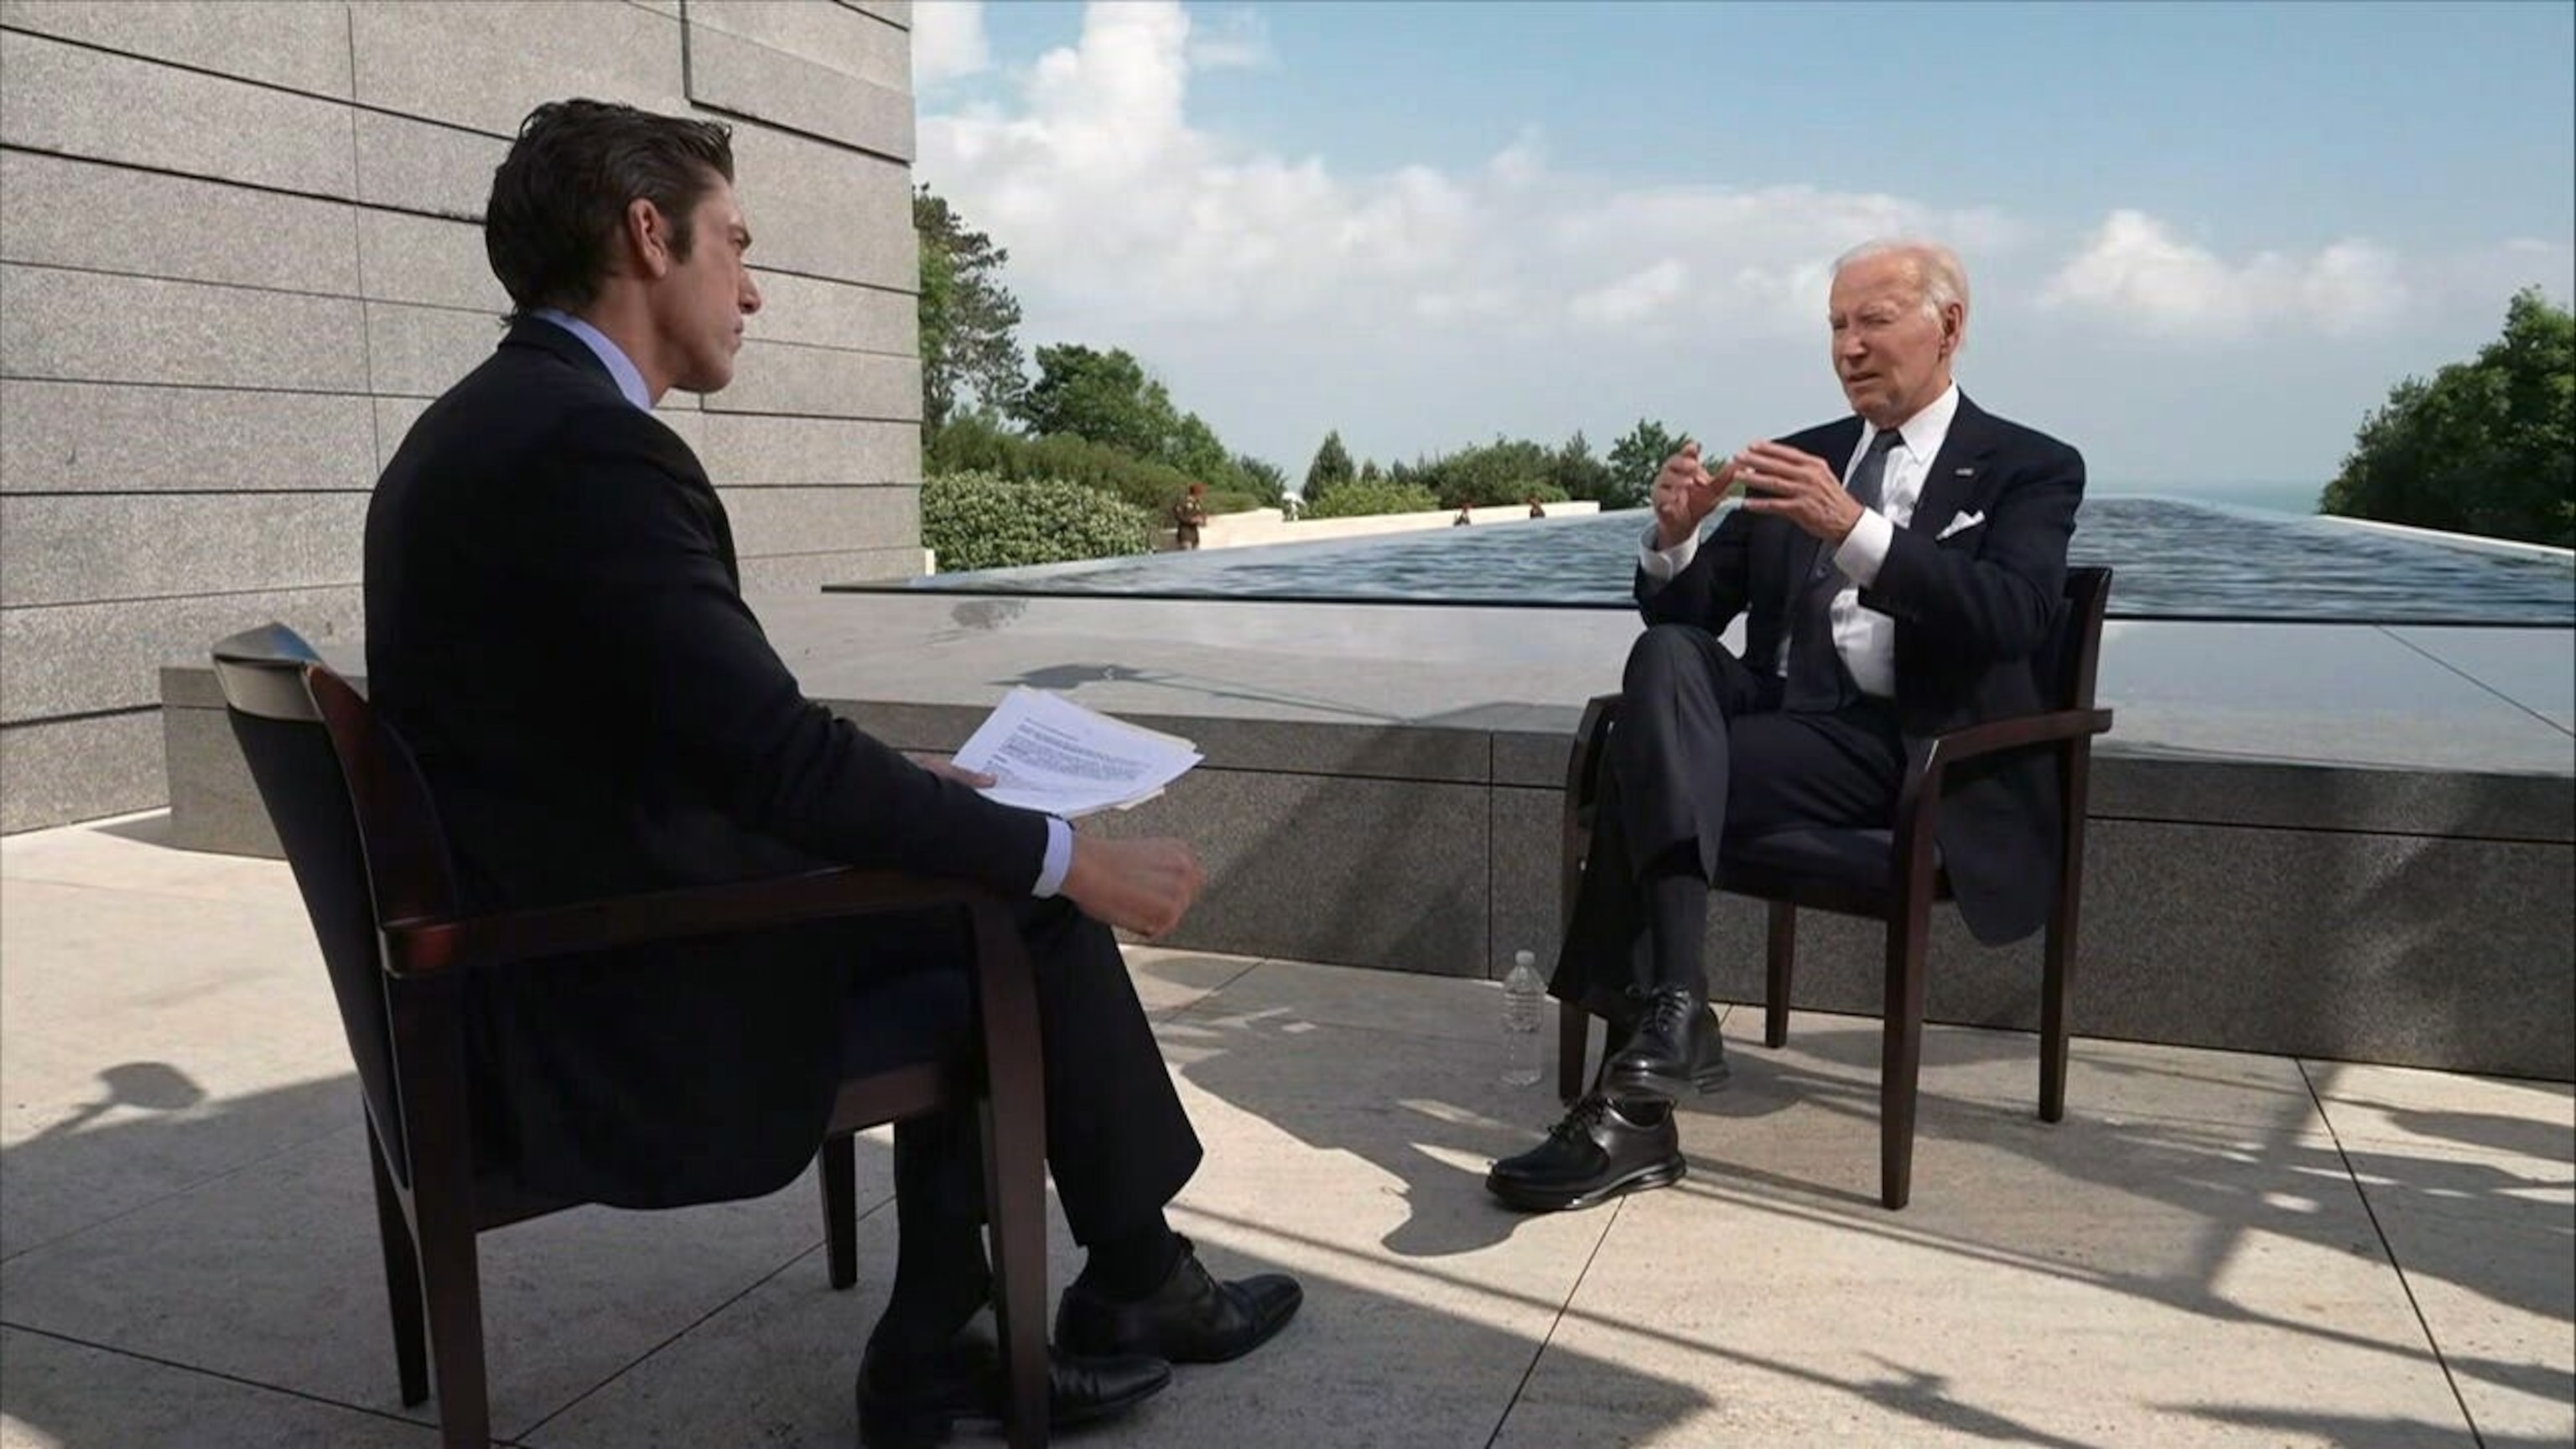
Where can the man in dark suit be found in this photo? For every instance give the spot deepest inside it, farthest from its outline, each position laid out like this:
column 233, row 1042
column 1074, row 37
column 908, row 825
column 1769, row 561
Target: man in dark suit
column 1899, row 571
column 555, row 622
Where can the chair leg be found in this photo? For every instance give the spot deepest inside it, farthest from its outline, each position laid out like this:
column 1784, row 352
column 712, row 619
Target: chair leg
column 2054, row 1028
column 839, row 1161
column 429, row 1051
column 452, row 1277
column 402, row 1277
column 1015, row 1198
column 1901, row 1057
column 1781, row 960
column 2052, row 1014
column 1573, row 1043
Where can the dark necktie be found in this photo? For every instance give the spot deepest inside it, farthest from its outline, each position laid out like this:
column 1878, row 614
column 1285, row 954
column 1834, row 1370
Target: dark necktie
column 1818, row 682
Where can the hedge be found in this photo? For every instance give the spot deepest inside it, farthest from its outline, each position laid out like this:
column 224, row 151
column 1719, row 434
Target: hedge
column 1356, row 498
column 980, row 521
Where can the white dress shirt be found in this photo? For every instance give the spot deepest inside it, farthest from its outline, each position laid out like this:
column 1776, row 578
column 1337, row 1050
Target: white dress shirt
column 1865, row 638
column 630, row 384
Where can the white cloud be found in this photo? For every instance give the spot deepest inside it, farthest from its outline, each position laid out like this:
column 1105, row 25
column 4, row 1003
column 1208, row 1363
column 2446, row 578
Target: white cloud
column 1520, row 163
column 1641, row 296
column 1239, row 40
column 2477, row 281
column 1417, row 307
column 948, row 41
column 1124, row 217
column 2136, row 269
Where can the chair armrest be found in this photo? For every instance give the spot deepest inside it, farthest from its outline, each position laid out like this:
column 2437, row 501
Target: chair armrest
column 1918, row 800
column 2019, row 732
column 1582, row 786
column 1583, row 766
column 418, row 947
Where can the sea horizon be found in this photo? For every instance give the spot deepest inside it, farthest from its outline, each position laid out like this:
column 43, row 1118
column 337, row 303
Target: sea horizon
column 2274, row 497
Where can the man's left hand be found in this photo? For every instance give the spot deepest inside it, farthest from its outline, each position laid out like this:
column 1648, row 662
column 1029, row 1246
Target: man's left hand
column 1799, row 487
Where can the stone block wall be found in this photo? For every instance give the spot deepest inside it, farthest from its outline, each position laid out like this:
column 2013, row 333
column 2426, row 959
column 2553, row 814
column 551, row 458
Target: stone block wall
column 240, row 251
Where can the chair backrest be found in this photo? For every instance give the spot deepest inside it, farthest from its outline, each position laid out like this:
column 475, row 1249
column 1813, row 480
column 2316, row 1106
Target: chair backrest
column 2075, row 645
column 355, row 818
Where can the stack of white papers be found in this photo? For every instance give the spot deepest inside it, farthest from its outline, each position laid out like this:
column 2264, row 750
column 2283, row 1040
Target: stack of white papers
column 1047, row 753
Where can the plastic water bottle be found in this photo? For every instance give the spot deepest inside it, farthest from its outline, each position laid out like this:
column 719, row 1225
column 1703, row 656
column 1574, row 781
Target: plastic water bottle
column 1524, row 999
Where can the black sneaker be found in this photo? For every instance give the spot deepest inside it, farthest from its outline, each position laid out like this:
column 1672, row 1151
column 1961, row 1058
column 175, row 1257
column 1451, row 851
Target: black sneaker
column 1597, row 1153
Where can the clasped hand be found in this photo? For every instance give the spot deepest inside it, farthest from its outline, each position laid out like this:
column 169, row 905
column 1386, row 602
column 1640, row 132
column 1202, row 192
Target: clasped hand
column 1143, row 885
column 1777, row 479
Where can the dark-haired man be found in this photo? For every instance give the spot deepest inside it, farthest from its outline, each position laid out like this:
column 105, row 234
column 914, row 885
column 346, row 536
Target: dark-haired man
column 555, row 622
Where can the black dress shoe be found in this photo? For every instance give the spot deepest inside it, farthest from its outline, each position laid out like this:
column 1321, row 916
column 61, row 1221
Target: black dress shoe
column 1192, row 1318
column 1595, row 1154
column 1673, row 1048
column 914, row 1402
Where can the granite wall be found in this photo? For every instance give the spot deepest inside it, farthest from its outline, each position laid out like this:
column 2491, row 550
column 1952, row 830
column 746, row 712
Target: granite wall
column 239, row 252
column 2414, row 917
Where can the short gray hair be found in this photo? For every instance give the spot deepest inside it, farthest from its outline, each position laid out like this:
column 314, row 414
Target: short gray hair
column 1936, row 267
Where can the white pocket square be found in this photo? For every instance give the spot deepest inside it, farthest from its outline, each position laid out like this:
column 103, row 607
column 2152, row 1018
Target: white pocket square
column 1960, row 524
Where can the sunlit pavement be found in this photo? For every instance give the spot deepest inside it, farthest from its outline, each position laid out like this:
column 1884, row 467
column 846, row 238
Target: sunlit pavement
column 2211, row 1249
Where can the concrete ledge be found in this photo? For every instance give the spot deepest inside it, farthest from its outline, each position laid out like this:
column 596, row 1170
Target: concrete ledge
column 1367, row 802
column 2474, row 543
column 61, row 770
column 1271, row 525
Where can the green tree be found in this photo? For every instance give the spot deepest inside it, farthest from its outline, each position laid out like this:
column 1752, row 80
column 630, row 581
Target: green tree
column 2486, row 447
column 1634, row 461
column 1351, row 498
column 1262, row 478
column 969, row 320
column 1505, row 470
column 1193, row 448
column 1331, row 468
column 1108, row 398
column 1103, row 396
column 977, row 442
column 1579, row 474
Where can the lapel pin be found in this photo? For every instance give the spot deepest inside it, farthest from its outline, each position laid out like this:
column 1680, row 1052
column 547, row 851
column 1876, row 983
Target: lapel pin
column 1967, row 472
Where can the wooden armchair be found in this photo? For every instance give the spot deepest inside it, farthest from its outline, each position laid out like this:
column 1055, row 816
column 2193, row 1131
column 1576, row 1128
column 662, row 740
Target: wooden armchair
column 1890, row 875
column 365, row 845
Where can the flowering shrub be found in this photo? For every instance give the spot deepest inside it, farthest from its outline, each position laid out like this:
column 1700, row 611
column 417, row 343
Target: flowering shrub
column 980, row 521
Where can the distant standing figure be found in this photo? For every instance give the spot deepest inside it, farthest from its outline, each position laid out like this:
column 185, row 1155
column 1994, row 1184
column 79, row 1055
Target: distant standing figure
column 1188, row 516
column 1462, row 520
column 1537, row 509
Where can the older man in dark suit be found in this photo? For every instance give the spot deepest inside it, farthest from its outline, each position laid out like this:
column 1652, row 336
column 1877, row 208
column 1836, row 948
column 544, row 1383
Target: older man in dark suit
column 555, row 621
column 1898, row 571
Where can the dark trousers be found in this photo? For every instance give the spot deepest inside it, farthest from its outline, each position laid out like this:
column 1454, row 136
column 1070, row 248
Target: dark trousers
column 1119, row 1144
column 1703, row 753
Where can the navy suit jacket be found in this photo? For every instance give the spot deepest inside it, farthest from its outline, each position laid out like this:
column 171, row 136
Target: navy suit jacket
column 555, row 624
column 1974, row 613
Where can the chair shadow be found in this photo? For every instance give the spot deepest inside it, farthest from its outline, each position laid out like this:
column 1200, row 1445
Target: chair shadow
column 149, row 1114
column 2166, row 1160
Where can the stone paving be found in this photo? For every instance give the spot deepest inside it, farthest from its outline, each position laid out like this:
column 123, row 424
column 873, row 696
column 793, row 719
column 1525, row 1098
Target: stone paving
column 2213, row 1249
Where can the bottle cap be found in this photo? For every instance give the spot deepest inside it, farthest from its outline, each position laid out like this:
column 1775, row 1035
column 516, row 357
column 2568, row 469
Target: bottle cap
column 1524, row 958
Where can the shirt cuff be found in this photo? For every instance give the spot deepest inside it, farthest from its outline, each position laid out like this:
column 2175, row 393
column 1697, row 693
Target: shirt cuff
column 1059, row 859
column 1661, row 564
column 1864, row 549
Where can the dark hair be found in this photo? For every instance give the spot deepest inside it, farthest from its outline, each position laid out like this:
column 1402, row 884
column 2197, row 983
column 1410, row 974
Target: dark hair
column 561, row 194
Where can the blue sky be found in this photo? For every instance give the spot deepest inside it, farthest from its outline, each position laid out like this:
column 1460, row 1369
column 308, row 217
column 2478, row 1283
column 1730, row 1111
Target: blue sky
column 2204, row 239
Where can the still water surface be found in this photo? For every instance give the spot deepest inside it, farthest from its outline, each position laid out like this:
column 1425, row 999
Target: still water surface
column 2175, row 558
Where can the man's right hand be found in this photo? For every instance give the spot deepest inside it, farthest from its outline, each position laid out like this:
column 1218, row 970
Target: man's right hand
column 1686, row 493
column 1144, row 886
